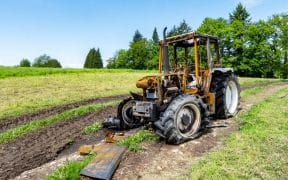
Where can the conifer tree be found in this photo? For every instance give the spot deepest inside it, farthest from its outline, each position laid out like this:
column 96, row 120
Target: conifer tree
column 155, row 36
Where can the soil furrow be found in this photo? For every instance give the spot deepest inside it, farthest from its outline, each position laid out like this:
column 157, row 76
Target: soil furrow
column 37, row 148
column 7, row 123
column 156, row 160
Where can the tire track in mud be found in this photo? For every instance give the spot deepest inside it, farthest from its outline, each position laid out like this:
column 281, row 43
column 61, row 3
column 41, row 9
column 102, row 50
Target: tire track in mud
column 7, row 123
column 37, row 148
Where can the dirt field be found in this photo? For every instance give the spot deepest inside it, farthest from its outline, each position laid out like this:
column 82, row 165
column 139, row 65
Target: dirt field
column 157, row 160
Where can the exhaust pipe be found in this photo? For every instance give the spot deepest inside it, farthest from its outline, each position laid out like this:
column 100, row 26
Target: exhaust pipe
column 165, row 54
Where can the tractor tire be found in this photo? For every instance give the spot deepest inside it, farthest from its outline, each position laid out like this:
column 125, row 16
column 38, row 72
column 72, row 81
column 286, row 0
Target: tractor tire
column 125, row 114
column 227, row 94
column 182, row 119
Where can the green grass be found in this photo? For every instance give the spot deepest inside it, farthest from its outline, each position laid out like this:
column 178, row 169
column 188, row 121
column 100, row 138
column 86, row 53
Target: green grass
column 7, row 72
column 26, row 90
column 91, row 128
column 133, row 142
column 70, row 170
column 251, row 81
column 28, row 94
column 252, row 91
column 257, row 151
column 37, row 124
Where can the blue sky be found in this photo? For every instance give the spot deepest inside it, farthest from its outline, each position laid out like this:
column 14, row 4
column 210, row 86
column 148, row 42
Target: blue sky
column 67, row 29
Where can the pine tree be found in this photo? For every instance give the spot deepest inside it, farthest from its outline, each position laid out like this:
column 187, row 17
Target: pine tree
column 155, row 36
column 182, row 28
column 240, row 14
column 137, row 36
column 93, row 59
column 89, row 58
column 99, row 62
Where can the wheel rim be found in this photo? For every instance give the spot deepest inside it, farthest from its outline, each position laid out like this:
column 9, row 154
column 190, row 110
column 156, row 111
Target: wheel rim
column 127, row 113
column 231, row 97
column 188, row 120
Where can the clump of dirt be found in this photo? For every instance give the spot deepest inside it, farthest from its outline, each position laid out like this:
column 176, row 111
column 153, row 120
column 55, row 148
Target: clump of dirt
column 7, row 123
column 37, row 148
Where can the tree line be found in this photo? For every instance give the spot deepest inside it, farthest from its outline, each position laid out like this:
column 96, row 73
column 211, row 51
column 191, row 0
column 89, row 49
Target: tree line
column 255, row 49
column 93, row 60
column 41, row 61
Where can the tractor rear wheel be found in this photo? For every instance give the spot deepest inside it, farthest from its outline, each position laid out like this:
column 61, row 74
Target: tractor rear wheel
column 125, row 114
column 182, row 119
column 227, row 94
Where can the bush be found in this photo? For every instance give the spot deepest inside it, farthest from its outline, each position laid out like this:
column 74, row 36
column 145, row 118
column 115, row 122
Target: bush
column 46, row 61
column 25, row 63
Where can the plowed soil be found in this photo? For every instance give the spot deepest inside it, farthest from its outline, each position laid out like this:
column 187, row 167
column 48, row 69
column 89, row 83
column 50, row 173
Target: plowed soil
column 37, row 148
column 7, row 123
column 157, row 159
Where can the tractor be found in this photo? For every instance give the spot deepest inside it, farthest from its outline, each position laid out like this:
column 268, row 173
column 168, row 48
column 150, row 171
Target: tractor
column 191, row 88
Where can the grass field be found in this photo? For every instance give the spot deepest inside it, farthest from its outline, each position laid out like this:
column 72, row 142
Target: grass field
column 250, row 81
column 6, row 72
column 258, row 150
column 26, row 90
column 29, row 93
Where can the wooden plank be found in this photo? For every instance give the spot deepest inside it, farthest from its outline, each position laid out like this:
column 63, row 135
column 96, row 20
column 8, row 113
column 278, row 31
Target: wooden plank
column 108, row 157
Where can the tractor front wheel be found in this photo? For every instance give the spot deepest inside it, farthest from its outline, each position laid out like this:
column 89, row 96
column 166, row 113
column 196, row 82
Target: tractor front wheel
column 182, row 119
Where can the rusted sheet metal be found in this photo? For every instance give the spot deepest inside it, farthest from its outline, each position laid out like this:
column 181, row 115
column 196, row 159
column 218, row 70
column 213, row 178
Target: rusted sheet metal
column 108, row 157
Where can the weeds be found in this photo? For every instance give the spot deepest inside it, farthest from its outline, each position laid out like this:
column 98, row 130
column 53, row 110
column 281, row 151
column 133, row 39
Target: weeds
column 133, row 142
column 91, row 128
column 71, row 170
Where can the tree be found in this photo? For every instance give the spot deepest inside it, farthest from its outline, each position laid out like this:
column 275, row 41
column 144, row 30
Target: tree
column 240, row 14
column 137, row 36
column 46, row 61
column 155, row 36
column 218, row 28
column 41, row 61
column 280, row 23
column 93, row 59
column 182, row 28
column 239, row 22
column 260, row 57
column 53, row 63
column 25, row 63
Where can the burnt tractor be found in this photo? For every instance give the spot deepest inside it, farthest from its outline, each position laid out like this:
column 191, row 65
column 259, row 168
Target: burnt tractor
column 191, row 88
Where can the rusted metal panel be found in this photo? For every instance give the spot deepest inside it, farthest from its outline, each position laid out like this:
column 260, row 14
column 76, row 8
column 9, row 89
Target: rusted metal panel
column 108, row 157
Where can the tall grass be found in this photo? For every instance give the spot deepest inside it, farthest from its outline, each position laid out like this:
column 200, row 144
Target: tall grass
column 92, row 128
column 70, row 170
column 258, row 150
column 133, row 142
column 27, row 94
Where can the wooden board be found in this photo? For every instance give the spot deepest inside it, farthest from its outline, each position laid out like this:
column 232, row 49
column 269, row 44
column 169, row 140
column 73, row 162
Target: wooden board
column 108, row 157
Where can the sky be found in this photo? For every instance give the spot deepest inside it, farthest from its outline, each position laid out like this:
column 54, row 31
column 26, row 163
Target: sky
column 67, row 29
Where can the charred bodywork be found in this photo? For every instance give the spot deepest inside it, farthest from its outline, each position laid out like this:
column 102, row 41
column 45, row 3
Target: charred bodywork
column 191, row 86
